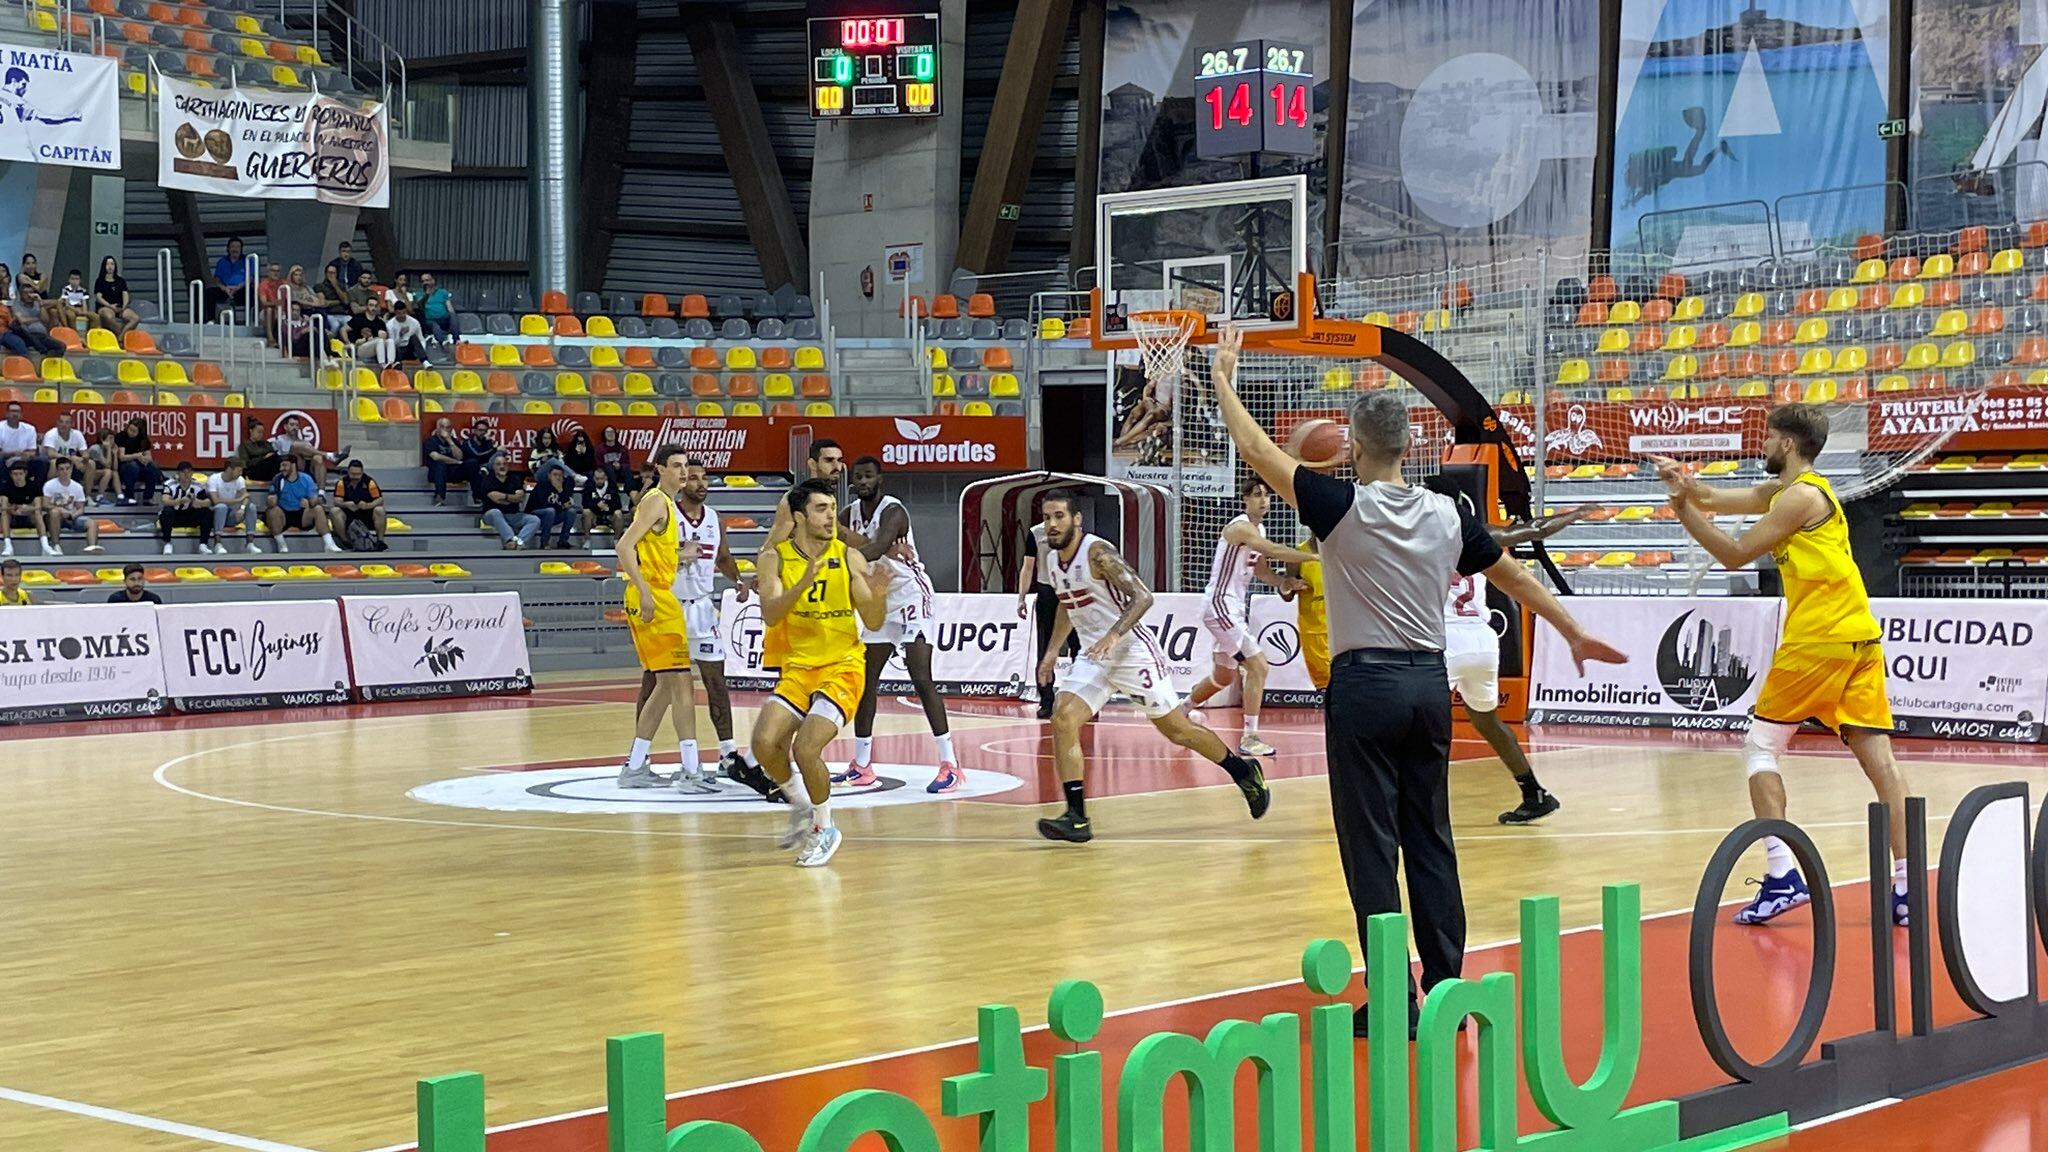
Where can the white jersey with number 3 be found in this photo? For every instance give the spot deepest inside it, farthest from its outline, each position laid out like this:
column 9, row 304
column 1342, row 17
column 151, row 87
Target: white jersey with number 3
column 1135, row 668
column 696, row 554
column 1230, row 576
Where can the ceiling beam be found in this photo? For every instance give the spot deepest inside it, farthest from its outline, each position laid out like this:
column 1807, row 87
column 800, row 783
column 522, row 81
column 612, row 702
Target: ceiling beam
column 1010, row 142
column 749, row 153
column 607, row 129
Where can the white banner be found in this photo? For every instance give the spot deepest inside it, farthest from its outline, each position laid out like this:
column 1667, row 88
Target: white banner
column 1693, row 662
column 254, row 654
column 59, row 108
column 272, row 145
column 68, row 661
column 408, row 647
column 1966, row 669
column 1287, row 682
column 981, row 648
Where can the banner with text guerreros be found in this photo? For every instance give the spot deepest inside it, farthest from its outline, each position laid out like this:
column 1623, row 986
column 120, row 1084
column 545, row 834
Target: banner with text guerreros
column 272, row 145
column 59, row 108
column 1966, row 669
column 1693, row 662
column 774, row 443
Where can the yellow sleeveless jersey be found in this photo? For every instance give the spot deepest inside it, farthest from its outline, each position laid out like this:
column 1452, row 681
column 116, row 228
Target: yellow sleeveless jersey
column 657, row 550
column 18, row 599
column 1825, row 602
column 1309, row 615
column 822, row 629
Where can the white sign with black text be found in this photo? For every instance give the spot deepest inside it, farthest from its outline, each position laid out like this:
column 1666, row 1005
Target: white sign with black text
column 272, row 145
column 1966, row 669
column 1693, row 662
column 254, row 654
column 59, row 108
column 74, row 661
column 409, row 647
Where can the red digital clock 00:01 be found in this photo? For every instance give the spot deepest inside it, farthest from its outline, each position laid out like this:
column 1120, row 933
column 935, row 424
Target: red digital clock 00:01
column 881, row 32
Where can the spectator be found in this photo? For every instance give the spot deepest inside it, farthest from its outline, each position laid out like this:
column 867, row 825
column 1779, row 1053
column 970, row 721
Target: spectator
column 604, row 503
column 546, row 456
column 441, row 451
column 134, row 588
column 7, row 289
column 73, row 306
column 360, row 293
column 291, row 441
column 64, row 506
column 408, row 339
column 103, row 468
column 437, row 310
column 31, row 278
column 345, row 268
column 112, row 300
column 140, row 477
column 185, row 504
column 649, row 476
column 504, row 496
column 21, row 506
column 19, row 443
column 303, row 300
column 12, row 594
column 613, row 459
column 29, row 325
column 256, row 454
column 227, row 490
column 553, row 502
column 295, row 506
column 229, row 285
column 65, row 442
column 10, row 342
column 400, row 292
column 270, row 298
column 332, row 307
column 369, row 336
column 580, row 456
column 478, row 453
column 357, row 498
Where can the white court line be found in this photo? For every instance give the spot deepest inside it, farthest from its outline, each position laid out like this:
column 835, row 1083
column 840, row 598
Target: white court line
column 1845, row 1113
column 152, row 1123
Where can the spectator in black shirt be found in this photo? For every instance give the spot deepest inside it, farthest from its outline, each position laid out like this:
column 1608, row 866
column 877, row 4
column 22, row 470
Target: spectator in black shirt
column 441, row 452
column 110, row 297
column 604, row 503
column 580, row 456
column 345, row 268
column 370, row 335
column 21, row 506
column 133, row 590
column 553, row 502
column 357, row 497
column 479, row 451
column 186, row 504
column 140, row 477
column 504, row 497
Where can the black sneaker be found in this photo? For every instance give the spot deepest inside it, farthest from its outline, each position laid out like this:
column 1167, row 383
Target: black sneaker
column 1532, row 808
column 1068, row 827
column 738, row 769
column 1257, row 796
column 1045, row 705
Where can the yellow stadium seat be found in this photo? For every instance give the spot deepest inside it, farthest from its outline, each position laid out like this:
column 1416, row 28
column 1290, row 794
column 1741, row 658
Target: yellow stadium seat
column 1748, row 304
column 1379, row 318
column 1921, row 355
column 1613, row 340
column 306, row 572
column 1814, row 361
column 2007, row 261
column 778, row 384
column 1052, row 328
column 1821, row 391
column 641, row 408
column 1750, row 389
column 1574, row 372
column 447, row 570
column 1992, row 508
column 1633, row 513
column 379, row 571
column 1811, row 331
column 605, row 356
column 710, row 408
column 1690, row 308
column 1869, row 272
column 102, row 342
column 260, row 572
column 1938, row 265
column 943, row 384
column 1615, row 560
column 745, row 408
column 365, row 411
column 741, row 480
column 607, row 408
column 1720, row 468
column 365, row 380
column 1908, row 295
column 1624, row 312
column 1842, row 300
column 535, row 325
column 1959, row 354
column 977, row 408
column 638, row 384
column 44, row 22
column 1956, row 464
column 133, row 372
column 818, row 408
column 935, row 356
column 331, row 378
column 810, row 359
column 394, row 524
column 504, row 356
column 741, row 356
column 47, row 396
column 1004, row 384
column 196, row 575
column 1893, row 384
column 1851, row 360
column 234, row 400
column 571, row 384
column 286, row 77
column 556, row 568
column 1682, row 367
column 1921, row 511
column 537, row 407
column 169, row 400
column 1436, row 320
column 1586, row 472
column 600, row 327
column 428, row 380
column 57, row 370
column 1954, row 322
column 1337, row 379
column 38, row 577
column 466, row 383
column 88, row 396
column 1747, row 334
column 1621, row 395
column 1681, row 337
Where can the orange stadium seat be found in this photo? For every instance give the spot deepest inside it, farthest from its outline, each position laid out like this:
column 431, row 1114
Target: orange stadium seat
column 639, row 357
column 742, row 385
column 566, row 324
column 945, row 306
column 471, row 355
column 695, row 307
column 817, row 387
column 501, row 383
column 705, row 384
column 775, row 359
column 537, row 356
column 605, row 384
column 1592, row 312
column 19, row 369
column 555, row 303
column 655, row 304
column 1601, row 290
column 1656, row 311
column 981, row 305
column 705, row 358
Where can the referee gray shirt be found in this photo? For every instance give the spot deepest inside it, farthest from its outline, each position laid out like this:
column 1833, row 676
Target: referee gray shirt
column 1389, row 552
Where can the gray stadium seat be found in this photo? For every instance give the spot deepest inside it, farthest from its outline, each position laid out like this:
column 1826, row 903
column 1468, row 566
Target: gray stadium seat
column 94, row 370
column 588, row 303
column 984, row 329
column 487, row 301
column 1017, row 329
column 174, row 344
column 502, row 324
column 735, row 329
column 522, row 302
column 438, row 354
column 632, row 328
column 1010, row 408
column 672, row 356
column 700, row 329
column 729, row 306
column 964, row 356
column 973, row 384
column 573, row 356
column 502, row 405
column 952, row 329
column 769, row 329
column 665, row 328
column 536, row 383
column 146, row 309
column 624, row 305
column 673, row 385
column 469, row 324
column 802, row 309
column 804, row 328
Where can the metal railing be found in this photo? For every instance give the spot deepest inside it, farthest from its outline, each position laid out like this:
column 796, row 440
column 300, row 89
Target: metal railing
column 367, row 58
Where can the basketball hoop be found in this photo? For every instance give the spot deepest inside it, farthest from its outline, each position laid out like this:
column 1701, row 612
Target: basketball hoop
column 1162, row 337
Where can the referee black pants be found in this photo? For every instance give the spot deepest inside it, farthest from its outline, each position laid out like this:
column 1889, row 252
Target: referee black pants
column 1387, row 730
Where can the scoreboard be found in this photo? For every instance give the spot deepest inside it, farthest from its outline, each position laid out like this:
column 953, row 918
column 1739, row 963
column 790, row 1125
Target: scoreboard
column 874, row 66
column 1254, row 96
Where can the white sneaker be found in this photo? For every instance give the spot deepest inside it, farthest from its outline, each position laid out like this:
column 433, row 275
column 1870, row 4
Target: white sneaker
column 50, row 549
column 644, row 777
column 327, row 544
column 694, row 784
column 90, row 550
column 1251, row 745
column 167, row 549
column 823, row 844
column 254, row 550
column 282, row 548
column 7, row 546
column 799, row 827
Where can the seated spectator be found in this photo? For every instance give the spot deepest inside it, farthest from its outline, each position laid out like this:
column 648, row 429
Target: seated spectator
column 112, row 301
column 21, row 506
column 545, row 457
column 28, row 324
column 504, row 497
column 478, row 453
column 580, row 456
column 294, row 505
column 140, row 477
column 361, row 292
column 441, row 452
column 19, row 444
column 270, row 299
column 7, row 288
column 65, row 442
column 134, row 587
column 369, row 335
column 345, row 268
column 12, row 594
column 613, row 459
column 72, row 307
column 357, row 498
column 553, row 503
column 104, row 473
column 649, row 476
column 408, row 340
column 227, row 490
column 304, row 306
column 185, row 503
column 64, row 507
column 291, row 441
column 400, row 292
column 604, row 504
column 256, row 454
column 11, row 342
column 437, row 310
column 228, row 287
column 331, row 302
column 30, row 278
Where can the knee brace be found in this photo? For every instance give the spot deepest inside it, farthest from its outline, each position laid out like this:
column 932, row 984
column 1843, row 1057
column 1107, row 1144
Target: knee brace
column 1767, row 740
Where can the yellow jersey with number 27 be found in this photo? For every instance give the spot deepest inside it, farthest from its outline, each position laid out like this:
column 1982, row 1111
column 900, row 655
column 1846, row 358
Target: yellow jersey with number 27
column 821, row 629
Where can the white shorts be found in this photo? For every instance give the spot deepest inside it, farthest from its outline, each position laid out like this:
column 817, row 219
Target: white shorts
column 909, row 620
column 1472, row 662
column 1231, row 639
column 1137, row 669
column 707, row 641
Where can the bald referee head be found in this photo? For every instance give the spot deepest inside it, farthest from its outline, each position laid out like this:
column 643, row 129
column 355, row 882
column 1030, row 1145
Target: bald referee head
column 1390, row 551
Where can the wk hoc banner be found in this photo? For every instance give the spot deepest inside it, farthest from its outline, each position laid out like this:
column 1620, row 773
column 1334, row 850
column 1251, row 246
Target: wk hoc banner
column 254, row 654
column 59, row 108
column 72, row 661
column 272, row 145
column 409, row 647
column 1966, row 669
column 981, row 647
column 1693, row 662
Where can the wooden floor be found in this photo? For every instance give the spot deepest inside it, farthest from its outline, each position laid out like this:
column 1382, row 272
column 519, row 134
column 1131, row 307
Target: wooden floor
column 246, row 926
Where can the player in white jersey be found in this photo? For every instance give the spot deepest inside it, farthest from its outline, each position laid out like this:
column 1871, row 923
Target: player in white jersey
column 1243, row 551
column 1104, row 602
column 878, row 526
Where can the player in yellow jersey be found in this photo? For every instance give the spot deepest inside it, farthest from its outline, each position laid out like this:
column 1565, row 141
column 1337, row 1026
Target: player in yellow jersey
column 647, row 558
column 1309, row 622
column 819, row 594
column 1829, row 666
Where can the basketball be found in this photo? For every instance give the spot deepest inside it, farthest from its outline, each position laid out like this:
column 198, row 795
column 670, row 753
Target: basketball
column 1320, row 444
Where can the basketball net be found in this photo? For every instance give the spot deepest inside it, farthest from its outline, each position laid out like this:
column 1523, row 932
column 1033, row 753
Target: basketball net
column 1162, row 338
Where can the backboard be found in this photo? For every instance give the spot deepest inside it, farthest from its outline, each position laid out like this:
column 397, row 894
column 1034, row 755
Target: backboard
column 1236, row 251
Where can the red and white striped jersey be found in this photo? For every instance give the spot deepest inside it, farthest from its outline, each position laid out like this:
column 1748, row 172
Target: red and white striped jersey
column 1230, row 576
column 1093, row 605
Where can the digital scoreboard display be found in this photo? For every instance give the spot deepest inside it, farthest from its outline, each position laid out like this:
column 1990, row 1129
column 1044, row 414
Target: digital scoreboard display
column 1254, row 96
column 874, row 66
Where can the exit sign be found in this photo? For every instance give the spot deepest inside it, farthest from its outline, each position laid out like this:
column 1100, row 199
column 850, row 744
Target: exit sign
column 1890, row 129
column 1010, row 212
column 106, row 228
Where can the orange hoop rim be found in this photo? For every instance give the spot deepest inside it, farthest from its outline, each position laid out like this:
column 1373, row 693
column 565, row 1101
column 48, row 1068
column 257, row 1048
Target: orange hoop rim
column 1195, row 322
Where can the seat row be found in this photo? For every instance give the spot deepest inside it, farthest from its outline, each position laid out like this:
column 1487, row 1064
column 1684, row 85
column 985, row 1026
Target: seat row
column 1977, row 556
column 653, row 305
column 970, row 385
column 977, row 408
column 51, row 394
column 1917, row 325
column 1924, row 356
column 1985, row 292
column 1988, row 462
column 739, row 357
column 2035, row 509
column 429, row 381
column 399, row 409
column 533, row 324
column 91, row 370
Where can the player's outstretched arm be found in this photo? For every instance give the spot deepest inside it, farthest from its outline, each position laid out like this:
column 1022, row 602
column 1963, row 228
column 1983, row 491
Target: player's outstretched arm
column 1798, row 507
column 1686, row 487
column 1540, row 529
column 1266, row 458
column 1109, row 566
column 870, row 587
column 1508, row 575
column 1244, row 535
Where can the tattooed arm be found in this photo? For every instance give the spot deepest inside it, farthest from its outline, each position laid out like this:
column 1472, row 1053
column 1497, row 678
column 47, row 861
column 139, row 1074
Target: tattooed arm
column 1109, row 566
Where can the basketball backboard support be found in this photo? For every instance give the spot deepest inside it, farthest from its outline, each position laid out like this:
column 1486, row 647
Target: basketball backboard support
column 1235, row 251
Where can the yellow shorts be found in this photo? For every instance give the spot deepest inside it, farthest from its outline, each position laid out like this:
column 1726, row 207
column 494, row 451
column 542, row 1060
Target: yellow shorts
column 1840, row 685
column 823, row 691
column 1315, row 653
column 663, row 643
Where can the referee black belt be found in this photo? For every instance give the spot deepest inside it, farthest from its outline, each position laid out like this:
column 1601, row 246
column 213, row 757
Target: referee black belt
column 1428, row 658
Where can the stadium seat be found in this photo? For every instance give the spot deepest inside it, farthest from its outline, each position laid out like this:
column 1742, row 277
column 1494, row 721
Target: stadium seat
column 1680, row 338
column 1747, row 305
column 747, row 408
column 734, row 329
column 815, row 386
column 977, row 408
column 567, row 325
column 1937, row 266
column 535, row 325
column 555, row 303
column 1951, row 323
column 1908, row 296
column 711, row 408
column 1052, row 328
column 570, row 384
column 1613, row 340
column 1959, row 354
column 1683, row 367
column 2007, row 261
column 399, row 410
column 1004, row 384
column 742, row 386
column 1811, row 331
column 638, row 384
column 705, row 384
column 607, row 408
column 102, row 341
column 534, row 406
column 655, row 304
column 501, row 383
column 365, row 411
column 1574, row 372
column 537, row 356
column 502, row 355
column 19, row 369
column 741, row 357
column 777, row 384
column 605, row 356
column 641, row 408
column 1747, row 334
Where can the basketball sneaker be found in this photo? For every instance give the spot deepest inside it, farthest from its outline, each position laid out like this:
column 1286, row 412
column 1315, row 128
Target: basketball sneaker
column 1251, row 745
column 949, row 779
column 1068, row 827
column 1534, row 806
column 694, row 784
column 855, row 776
column 824, row 842
column 737, row 768
column 1257, row 796
column 642, row 777
column 799, row 827
column 1776, row 895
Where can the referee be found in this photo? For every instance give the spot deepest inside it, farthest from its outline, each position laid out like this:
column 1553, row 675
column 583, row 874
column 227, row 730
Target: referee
column 1389, row 552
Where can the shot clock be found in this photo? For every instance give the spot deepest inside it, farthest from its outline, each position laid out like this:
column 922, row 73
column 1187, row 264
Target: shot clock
column 874, row 66
column 1254, row 96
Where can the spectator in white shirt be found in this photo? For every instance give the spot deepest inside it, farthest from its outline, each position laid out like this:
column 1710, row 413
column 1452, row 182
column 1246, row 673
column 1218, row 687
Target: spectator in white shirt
column 229, row 492
column 407, row 340
column 20, row 444
column 64, row 506
column 65, row 442
column 73, row 306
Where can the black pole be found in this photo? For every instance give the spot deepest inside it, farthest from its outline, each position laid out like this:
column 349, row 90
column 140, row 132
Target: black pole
column 1336, row 120
column 1609, row 80
column 1898, row 208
